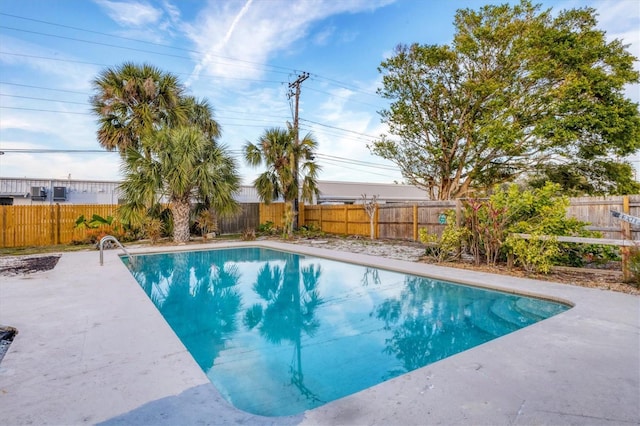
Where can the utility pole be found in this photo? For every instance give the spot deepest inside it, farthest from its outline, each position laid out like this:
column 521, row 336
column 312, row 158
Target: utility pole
column 294, row 91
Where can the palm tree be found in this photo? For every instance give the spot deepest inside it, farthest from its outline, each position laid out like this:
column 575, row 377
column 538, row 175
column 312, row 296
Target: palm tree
column 286, row 162
column 185, row 165
column 132, row 101
column 200, row 114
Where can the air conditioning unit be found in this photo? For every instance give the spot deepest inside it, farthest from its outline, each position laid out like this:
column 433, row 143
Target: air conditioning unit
column 38, row 193
column 59, row 193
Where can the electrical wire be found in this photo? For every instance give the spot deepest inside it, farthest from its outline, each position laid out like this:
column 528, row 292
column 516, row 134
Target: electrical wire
column 286, row 70
column 332, row 160
column 353, row 135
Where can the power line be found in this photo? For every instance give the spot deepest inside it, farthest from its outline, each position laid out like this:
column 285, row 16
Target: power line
column 142, row 41
column 357, row 162
column 334, row 164
column 343, row 97
column 331, row 159
column 223, row 117
column 338, row 128
column 43, row 88
column 54, row 151
column 256, row 120
column 255, row 80
column 260, row 64
column 345, row 85
column 43, row 99
column 46, row 110
column 134, row 49
column 338, row 134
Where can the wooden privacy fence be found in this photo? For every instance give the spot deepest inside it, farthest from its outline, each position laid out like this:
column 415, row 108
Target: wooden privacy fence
column 341, row 219
column 52, row 224
column 43, row 225
column 248, row 218
column 403, row 221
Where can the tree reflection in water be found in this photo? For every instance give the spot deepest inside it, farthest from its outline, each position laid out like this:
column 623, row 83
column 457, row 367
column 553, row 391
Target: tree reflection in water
column 371, row 276
column 423, row 322
column 201, row 303
column 288, row 311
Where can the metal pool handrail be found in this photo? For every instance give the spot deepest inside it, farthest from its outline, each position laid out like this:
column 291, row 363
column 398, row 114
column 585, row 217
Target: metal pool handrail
column 115, row 240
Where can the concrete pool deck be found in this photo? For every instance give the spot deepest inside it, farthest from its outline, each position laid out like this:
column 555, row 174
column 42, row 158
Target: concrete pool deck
column 93, row 349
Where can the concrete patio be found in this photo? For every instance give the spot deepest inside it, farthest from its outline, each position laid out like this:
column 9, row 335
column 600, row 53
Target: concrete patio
column 93, row 349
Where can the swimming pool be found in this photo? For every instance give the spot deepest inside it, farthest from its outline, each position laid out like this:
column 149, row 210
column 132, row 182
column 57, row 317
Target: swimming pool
column 280, row 333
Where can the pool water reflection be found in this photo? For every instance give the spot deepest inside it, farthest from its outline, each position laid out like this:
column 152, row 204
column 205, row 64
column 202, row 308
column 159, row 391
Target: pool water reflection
column 280, row 333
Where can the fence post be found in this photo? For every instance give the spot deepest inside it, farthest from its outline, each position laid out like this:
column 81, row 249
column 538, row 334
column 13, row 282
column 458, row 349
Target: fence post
column 626, row 235
column 346, row 219
column 376, row 230
column 458, row 212
column 52, row 226
column 415, row 222
column 301, row 218
column 3, row 226
column 58, row 224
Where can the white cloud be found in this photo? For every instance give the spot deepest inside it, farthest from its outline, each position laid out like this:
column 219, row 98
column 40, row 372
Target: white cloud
column 130, row 13
column 60, row 166
column 255, row 31
column 322, row 37
column 172, row 11
column 363, row 125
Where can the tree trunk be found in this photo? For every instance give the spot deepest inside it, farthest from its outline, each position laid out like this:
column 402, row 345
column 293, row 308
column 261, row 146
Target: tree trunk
column 180, row 210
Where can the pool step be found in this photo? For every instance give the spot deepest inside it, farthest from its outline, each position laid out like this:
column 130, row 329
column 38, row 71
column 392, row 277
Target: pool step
column 487, row 321
column 538, row 309
column 505, row 310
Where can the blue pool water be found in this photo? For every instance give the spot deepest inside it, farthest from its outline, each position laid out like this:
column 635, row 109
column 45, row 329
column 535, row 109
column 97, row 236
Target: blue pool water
column 280, row 333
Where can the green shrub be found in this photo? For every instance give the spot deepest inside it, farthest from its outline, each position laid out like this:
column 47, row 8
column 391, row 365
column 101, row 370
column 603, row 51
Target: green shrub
column 634, row 265
column 448, row 246
column 310, row 231
column 266, row 228
column 541, row 211
column 535, row 254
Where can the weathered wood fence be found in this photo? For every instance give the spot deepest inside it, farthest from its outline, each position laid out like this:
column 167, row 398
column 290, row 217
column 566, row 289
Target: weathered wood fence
column 53, row 224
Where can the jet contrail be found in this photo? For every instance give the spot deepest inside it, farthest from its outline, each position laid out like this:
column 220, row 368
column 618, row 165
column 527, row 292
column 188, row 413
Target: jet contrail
column 235, row 22
column 196, row 71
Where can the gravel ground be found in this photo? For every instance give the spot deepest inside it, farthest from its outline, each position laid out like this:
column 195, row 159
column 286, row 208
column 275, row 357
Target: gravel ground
column 401, row 250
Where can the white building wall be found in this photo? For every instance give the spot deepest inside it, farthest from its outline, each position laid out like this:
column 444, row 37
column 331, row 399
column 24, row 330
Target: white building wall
column 107, row 192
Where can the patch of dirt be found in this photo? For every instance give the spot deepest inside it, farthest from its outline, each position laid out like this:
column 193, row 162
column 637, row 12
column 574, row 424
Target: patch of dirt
column 21, row 265
column 6, row 337
column 605, row 279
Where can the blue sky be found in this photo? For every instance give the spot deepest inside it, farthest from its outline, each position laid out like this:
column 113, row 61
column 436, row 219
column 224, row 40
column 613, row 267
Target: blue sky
column 240, row 55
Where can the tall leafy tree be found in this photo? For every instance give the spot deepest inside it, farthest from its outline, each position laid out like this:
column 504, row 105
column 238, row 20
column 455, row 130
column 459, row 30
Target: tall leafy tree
column 133, row 101
column 518, row 89
column 278, row 152
column 184, row 166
